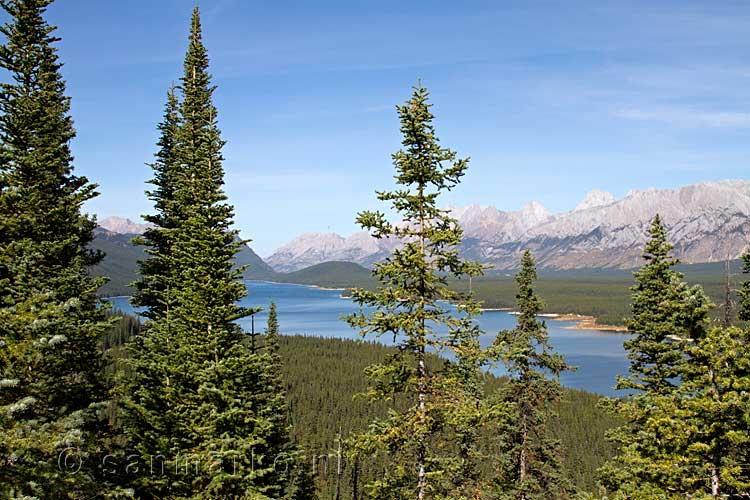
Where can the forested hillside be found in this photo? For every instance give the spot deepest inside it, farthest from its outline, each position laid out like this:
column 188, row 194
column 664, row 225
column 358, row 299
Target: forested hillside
column 323, row 376
column 602, row 293
column 325, row 383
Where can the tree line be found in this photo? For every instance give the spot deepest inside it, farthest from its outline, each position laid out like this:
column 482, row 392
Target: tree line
column 194, row 408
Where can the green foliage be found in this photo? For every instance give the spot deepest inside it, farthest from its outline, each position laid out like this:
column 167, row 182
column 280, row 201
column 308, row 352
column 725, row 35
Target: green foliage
column 711, row 424
column 119, row 263
column 530, row 460
column 410, row 302
column 331, row 275
column 666, row 315
column 51, row 390
column 121, row 259
column 198, row 395
column 322, row 378
column 156, row 271
column 665, row 312
column 744, row 292
column 694, row 442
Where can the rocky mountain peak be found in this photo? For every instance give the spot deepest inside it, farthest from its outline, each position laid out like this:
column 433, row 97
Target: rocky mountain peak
column 595, row 198
column 122, row 225
column 534, row 212
column 599, row 232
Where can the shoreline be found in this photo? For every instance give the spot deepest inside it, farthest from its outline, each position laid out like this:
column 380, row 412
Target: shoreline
column 319, row 287
column 582, row 321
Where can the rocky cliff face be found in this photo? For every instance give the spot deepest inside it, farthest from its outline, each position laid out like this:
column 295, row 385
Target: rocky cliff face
column 707, row 222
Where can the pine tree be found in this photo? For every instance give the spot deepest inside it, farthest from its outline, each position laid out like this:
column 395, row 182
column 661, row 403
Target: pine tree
column 666, row 315
column 531, row 466
column 271, row 341
column 659, row 319
column 410, row 306
column 200, row 396
column 744, row 292
column 272, row 402
column 711, row 423
column 51, row 385
column 155, row 282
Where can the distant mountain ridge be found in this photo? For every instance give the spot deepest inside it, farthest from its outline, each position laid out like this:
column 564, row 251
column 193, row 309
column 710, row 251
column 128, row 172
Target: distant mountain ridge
column 707, row 222
column 121, row 258
column 120, row 266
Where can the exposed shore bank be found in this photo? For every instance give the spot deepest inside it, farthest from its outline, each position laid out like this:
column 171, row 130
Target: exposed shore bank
column 583, row 322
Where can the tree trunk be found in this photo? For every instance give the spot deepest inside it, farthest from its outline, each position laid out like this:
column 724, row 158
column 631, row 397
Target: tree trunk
column 714, row 482
column 422, row 478
column 422, row 369
column 355, row 479
column 717, row 455
column 523, row 460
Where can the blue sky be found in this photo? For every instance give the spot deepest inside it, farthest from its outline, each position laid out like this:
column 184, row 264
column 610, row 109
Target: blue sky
column 550, row 99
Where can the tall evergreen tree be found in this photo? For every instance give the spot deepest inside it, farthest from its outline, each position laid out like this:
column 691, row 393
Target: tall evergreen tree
column 410, row 306
column 271, row 340
column 744, row 292
column 666, row 315
column 200, row 396
column 531, row 464
column 272, row 402
column 51, row 387
column 155, row 281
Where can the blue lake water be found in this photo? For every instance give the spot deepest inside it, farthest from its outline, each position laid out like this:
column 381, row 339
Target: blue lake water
column 306, row 310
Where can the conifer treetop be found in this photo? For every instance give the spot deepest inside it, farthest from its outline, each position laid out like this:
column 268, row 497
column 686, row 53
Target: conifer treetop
column 411, row 307
column 665, row 312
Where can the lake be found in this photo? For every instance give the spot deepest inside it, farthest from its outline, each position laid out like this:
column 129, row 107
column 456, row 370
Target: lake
column 306, row 310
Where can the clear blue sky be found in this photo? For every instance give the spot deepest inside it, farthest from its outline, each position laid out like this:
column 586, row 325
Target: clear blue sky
column 550, row 99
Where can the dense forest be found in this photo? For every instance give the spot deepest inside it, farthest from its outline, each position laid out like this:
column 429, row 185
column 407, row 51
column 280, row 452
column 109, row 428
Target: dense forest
column 186, row 405
column 322, row 378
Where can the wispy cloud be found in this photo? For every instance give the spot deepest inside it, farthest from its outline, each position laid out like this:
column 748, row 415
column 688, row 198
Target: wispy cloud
column 687, row 117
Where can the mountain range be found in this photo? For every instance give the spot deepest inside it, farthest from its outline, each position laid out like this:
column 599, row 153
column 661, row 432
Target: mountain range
column 707, row 222
column 114, row 237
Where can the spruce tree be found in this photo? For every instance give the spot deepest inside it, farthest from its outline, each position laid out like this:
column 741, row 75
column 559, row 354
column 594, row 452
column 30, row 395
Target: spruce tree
column 531, row 460
column 422, row 450
column 711, row 424
column 656, row 323
column 667, row 314
column 271, row 340
column 200, row 396
column 272, row 402
column 744, row 291
column 155, row 281
column 51, row 385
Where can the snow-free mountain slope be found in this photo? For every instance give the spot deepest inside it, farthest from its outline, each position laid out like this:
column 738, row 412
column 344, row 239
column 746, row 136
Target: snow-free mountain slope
column 314, row 248
column 707, row 222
